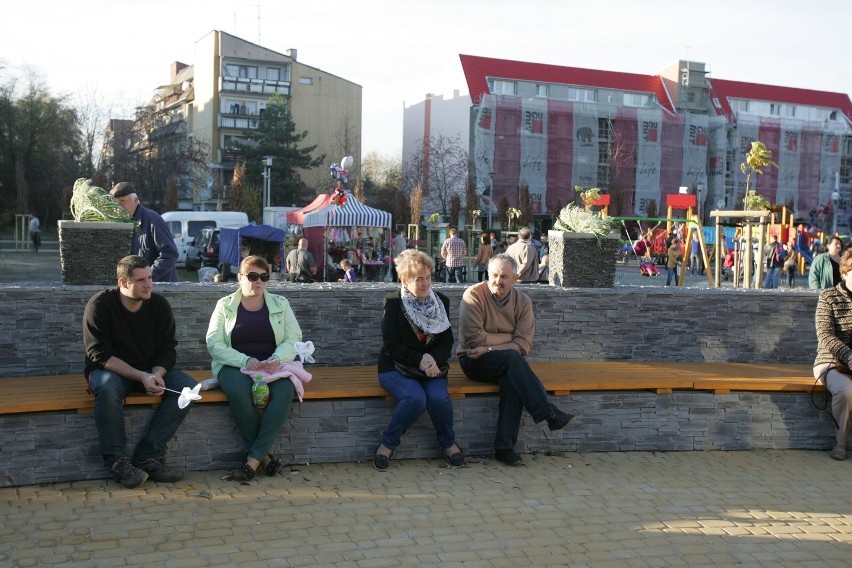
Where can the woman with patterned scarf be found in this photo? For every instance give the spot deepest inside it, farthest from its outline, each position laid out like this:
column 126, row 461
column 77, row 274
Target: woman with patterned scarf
column 416, row 344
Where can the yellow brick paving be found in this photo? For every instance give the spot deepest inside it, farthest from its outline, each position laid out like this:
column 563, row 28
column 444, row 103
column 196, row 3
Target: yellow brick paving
column 635, row 509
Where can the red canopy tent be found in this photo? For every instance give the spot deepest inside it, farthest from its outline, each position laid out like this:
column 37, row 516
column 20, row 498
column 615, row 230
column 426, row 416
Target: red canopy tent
column 297, row 217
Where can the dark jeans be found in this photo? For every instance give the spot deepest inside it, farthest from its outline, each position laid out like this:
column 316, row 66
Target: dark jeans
column 671, row 274
column 520, row 388
column 110, row 389
column 455, row 274
column 414, row 397
column 258, row 438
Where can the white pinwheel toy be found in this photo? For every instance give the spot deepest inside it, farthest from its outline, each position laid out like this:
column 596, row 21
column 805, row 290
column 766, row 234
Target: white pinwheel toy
column 187, row 395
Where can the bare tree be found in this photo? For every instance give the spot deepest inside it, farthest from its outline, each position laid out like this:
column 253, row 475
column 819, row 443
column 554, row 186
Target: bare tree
column 525, row 206
column 162, row 153
column 445, row 174
column 382, row 179
column 245, row 197
column 346, row 143
column 502, row 210
column 415, row 201
column 455, row 210
column 92, row 117
column 471, row 201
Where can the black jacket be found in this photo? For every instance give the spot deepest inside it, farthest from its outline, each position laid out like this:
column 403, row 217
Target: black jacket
column 400, row 342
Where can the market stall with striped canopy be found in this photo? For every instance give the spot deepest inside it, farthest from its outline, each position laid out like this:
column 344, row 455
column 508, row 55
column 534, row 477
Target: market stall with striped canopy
column 352, row 230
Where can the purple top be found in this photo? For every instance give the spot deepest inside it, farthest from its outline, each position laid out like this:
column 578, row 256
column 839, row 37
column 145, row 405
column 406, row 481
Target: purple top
column 252, row 334
column 350, row 275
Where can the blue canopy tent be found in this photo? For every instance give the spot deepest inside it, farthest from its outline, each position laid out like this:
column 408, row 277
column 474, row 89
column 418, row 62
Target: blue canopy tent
column 262, row 240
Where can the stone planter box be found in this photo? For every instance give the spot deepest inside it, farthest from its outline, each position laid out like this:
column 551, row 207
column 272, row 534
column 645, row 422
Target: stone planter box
column 579, row 260
column 89, row 252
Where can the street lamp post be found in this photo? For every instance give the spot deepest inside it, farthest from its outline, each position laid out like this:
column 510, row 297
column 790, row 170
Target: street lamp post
column 490, row 198
column 700, row 191
column 267, row 181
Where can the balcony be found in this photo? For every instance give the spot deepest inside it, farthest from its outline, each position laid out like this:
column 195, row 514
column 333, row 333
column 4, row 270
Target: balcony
column 238, row 121
column 254, row 86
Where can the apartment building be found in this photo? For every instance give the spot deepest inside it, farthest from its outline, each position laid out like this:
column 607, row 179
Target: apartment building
column 219, row 96
column 641, row 137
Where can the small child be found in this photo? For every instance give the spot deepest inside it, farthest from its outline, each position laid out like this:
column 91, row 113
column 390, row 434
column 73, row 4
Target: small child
column 349, row 272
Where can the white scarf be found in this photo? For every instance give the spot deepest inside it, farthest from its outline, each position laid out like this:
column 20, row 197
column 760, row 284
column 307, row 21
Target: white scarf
column 428, row 316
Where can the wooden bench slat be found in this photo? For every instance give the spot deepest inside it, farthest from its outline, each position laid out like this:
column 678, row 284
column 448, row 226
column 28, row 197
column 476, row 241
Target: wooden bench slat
column 68, row 392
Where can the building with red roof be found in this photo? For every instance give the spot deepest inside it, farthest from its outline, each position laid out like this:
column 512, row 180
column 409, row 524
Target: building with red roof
column 548, row 129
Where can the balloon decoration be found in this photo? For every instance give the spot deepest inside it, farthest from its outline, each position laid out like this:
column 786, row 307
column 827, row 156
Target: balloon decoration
column 341, row 174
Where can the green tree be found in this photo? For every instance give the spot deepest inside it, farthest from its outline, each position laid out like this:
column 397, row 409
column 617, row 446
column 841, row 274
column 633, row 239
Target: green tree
column 40, row 145
column 758, row 158
column 276, row 136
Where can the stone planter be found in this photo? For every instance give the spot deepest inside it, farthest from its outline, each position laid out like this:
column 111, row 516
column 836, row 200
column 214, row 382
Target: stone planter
column 579, row 260
column 89, row 252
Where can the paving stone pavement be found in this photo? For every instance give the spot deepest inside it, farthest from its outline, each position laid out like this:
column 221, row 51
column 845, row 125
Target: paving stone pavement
column 643, row 509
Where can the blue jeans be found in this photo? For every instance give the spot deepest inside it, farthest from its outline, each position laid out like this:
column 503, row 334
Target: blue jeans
column 257, row 437
column 772, row 278
column 110, row 389
column 414, row 397
column 520, row 388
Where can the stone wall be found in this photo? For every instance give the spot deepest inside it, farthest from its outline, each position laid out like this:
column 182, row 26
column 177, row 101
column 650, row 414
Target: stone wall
column 62, row 446
column 41, row 333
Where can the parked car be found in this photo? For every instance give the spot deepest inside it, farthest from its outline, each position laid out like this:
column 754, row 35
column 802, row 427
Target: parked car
column 185, row 225
column 203, row 250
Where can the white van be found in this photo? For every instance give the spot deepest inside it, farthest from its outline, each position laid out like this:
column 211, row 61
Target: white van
column 184, row 225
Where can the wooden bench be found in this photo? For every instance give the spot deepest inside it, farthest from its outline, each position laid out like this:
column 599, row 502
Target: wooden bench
column 68, row 392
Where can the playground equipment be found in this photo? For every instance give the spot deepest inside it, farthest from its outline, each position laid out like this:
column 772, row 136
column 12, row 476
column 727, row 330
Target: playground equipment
column 657, row 239
column 749, row 261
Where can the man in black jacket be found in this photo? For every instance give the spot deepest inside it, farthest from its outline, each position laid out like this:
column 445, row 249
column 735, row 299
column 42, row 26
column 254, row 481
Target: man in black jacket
column 129, row 338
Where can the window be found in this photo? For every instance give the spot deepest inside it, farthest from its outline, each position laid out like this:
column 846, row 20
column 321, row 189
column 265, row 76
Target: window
column 541, row 90
column 240, row 71
column 193, row 227
column 306, row 80
column 775, row 109
column 233, row 106
column 500, row 87
column 632, row 99
column 175, row 229
column 582, row 95
column 690, row 97
column 791, row 110
column 273, row 73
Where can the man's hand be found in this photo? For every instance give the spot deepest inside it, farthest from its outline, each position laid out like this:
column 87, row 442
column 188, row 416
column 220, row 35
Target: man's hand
column 477, row 352
column 153, row 384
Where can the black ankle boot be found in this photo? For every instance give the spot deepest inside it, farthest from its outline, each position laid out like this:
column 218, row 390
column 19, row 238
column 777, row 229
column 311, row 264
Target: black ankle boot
column 557, row 420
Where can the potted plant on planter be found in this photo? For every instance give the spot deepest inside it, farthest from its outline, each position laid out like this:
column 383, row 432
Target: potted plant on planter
column 583, row 248
column 99, row 236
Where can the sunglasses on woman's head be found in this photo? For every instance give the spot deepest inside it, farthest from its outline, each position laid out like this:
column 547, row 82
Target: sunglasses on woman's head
column 253, row 276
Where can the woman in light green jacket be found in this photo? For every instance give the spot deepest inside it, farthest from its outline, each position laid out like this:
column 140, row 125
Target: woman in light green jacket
column 254, row 330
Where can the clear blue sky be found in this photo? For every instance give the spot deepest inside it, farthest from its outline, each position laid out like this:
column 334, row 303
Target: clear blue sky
column 399, row 50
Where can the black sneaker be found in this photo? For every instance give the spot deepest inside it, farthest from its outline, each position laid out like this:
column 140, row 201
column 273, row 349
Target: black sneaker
column 508, row 457
column 157, row 470
column 126, row 474
column 557, row 420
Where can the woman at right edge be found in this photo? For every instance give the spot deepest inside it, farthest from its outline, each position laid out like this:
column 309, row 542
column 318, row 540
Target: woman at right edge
column 834, row 354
